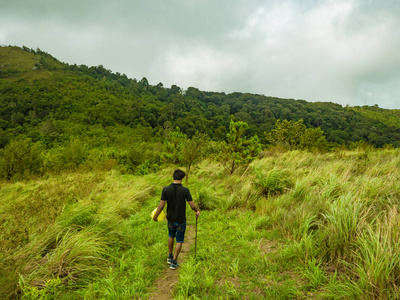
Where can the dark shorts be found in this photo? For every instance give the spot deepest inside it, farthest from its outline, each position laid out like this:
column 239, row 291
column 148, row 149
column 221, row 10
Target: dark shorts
column 177, row 230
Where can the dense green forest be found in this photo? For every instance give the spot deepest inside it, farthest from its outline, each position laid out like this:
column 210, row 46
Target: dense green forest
column 68, row 115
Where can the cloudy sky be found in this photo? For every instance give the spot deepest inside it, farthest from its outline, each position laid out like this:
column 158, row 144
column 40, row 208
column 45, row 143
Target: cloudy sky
column 342, row 51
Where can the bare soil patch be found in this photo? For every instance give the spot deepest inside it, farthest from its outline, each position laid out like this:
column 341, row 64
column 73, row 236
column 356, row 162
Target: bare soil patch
column 268, row 246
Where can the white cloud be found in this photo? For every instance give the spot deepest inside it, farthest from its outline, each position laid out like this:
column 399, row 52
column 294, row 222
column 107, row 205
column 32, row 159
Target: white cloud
column 334, row 50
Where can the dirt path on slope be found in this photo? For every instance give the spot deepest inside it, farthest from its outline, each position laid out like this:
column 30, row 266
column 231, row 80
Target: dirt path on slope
column 165, row 285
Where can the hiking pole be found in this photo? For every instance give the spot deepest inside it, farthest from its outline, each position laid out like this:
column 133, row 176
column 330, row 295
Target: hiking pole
column 195, row 239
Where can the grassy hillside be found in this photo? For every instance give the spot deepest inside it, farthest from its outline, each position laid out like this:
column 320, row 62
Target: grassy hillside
column 16, row 59
column 294, row 225
column 17, row 64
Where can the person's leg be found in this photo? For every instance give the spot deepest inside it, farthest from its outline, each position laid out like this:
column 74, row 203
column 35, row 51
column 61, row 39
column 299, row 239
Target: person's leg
column 178, row 249
column 170, row 245
column 171, row 237
column 180, row 237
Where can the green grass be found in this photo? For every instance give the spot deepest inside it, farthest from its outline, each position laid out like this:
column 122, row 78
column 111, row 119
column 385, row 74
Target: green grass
column 16, row 58
column 21, row 64
column 295, row 225
column 231, row 262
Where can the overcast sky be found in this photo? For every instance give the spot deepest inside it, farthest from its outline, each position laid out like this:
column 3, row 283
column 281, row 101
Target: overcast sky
column 342, row 51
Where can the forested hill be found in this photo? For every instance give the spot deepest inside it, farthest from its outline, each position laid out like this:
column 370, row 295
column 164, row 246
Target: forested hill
column 50, row 101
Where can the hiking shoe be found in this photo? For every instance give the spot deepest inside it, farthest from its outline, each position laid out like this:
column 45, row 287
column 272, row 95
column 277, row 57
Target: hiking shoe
column 170, row 259
column 174, row 265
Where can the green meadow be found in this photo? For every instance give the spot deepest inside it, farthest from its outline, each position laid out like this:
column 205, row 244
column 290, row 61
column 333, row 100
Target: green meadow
column 293, row 225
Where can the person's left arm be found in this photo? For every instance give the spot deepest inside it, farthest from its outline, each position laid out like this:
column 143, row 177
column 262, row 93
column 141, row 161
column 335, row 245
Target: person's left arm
column 159, row 209
column 194, row 207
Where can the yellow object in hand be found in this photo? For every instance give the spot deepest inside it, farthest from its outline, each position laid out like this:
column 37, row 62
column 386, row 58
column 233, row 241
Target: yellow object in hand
column 160, row 217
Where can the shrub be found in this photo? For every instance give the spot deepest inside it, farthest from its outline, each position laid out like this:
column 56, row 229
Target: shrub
column 50, row 290
column 204, row 199
column 274, row 182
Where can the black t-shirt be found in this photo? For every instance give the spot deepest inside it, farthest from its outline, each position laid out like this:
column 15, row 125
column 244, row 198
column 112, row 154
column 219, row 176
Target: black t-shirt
column 175, row 194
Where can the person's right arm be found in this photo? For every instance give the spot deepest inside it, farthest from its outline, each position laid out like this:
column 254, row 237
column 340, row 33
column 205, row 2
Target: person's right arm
column 159, row 210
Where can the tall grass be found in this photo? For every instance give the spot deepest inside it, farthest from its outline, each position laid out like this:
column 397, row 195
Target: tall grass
column 334, row 219
column 76, row 242
column 377, row 263
column 341, row 226
column 272, row 182
column 77, row 256
column 341, row 212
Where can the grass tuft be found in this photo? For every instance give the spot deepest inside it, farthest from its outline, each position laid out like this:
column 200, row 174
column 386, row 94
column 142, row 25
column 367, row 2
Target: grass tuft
column 273, row 182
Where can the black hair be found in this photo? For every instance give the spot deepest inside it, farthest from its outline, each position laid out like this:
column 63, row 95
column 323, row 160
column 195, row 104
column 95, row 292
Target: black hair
column 178, row 174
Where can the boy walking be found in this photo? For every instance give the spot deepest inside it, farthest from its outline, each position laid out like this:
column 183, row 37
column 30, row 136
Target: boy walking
column 176, row 196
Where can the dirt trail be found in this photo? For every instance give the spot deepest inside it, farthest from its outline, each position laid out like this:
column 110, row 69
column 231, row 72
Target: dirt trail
column 165, row 285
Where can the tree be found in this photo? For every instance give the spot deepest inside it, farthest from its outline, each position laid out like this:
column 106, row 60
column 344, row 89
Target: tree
column 20, row 157
column 76, row 152
column 291, row 135
column 287, row 134
column 193, row 151
column 4, row 138
column 238, row 151
column 173, row 147
column 313, row 139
